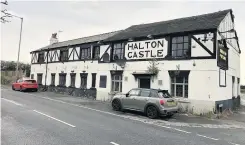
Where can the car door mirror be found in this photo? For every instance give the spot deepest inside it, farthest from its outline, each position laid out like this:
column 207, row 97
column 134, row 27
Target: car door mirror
column 127, row 95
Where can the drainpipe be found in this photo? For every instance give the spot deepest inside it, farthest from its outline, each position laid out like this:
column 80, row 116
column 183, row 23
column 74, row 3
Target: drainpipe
column 45, row 87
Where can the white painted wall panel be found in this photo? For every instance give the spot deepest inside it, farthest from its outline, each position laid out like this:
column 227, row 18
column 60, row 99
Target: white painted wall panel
column 78, row 53
column 197, row 50
column 227, row 25
column 222, row 78
column 70, row 53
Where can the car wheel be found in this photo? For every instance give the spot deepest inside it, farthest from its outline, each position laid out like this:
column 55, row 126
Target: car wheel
column 151, row 112
column 116, row 105
column 21, row 88
column 13, row 87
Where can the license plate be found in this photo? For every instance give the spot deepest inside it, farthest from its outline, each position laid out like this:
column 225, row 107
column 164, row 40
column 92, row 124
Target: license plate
column 171, row 103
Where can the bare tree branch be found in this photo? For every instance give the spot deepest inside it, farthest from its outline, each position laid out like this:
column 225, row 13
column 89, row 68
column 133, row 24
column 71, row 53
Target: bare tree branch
column 5, row 2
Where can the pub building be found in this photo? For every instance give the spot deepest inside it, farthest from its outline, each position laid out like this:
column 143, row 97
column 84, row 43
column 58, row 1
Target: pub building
column 197, row 59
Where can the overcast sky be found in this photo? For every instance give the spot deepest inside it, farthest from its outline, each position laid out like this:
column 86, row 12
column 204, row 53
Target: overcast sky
column 83, row 18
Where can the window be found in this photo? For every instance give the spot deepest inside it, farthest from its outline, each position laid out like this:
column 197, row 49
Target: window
column 52, row 79
column 118, row 51
column 96, row 52
column 39, row 78
column 116, row 82
column 62, row 79
column 134, row 92
column 179, row 86
column 93, row 80
column 40, row 57
column 103, row 80
column 145, row 93
column 233, row 86
column 73, row 79
column 180, row 46
column 32, row 76
column 64, row 55
column 238, row 86
column 85, row 53
column 83, row 80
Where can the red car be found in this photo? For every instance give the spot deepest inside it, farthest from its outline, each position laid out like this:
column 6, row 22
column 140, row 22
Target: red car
column 25, row 84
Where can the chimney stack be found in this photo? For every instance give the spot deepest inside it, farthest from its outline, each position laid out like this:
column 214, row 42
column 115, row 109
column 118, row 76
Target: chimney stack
column 54, row 38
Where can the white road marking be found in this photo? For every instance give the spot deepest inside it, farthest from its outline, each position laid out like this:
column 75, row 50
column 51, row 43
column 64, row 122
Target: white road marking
column 11, row 101
column 181, row 130
column 114, row 143
column 234, row 143
column 207, row 137
column 54, row 118
column 122, row 116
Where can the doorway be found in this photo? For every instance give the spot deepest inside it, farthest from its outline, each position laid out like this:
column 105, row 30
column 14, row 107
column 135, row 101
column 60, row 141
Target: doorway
column 145, row 83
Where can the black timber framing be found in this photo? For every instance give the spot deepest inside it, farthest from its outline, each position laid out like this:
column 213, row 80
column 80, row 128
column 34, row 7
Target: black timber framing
column 203, row 46
column 71, row 53
column 166, row 36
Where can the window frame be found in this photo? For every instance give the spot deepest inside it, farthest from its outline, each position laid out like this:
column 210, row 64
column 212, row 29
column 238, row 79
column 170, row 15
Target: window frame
column 32, row 76
column 114, row 81
column 64, row 53
column 121, row 49
column 40, row 82
column 96, row 52
column 87, row 51
column 41, row 53
column 63, row 84
column 101, row 85
column 183, row 49
column 73, row 76
column 184, row 84
column 94, row 75
column 52, row 79
column 85, row 77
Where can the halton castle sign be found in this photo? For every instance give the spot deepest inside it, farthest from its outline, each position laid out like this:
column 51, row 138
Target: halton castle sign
column 145, row 49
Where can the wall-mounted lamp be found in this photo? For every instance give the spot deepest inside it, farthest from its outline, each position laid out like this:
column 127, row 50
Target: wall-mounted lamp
column 130, row 39
column 149, row 36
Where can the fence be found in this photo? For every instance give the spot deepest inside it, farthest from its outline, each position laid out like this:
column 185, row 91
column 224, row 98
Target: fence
column 8, row 77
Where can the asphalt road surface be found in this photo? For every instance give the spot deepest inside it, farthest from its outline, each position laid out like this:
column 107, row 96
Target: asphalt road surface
column 28, row 119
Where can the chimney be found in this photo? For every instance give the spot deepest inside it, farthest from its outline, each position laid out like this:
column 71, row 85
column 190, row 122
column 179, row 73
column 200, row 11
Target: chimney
column 54, row 38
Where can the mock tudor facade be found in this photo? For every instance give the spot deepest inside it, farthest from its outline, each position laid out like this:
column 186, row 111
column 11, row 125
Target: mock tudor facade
column 196, row 58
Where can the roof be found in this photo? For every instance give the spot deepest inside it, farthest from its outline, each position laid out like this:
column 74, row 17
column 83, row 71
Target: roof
column 187, row 24
column 82, row 40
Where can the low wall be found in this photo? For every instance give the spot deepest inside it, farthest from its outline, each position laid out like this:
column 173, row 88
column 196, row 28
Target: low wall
column 197, row 107
column 77, row 92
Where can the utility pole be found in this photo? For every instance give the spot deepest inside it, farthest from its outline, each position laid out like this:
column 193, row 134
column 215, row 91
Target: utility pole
column 18, row 57
column 6, row 14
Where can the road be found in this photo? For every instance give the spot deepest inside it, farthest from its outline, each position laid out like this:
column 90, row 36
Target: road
column 28, row 119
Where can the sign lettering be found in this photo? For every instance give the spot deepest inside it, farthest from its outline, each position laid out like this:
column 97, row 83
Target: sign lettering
column 222, row 57
column 145, row 49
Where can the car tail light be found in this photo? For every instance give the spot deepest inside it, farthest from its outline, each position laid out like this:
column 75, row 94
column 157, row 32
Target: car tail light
column 162, row 102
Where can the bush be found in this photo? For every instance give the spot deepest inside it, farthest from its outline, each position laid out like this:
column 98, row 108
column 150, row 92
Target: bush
column 7, row 80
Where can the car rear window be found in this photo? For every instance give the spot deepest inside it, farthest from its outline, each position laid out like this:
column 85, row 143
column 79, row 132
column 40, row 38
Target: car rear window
column 30, row 81
column 164, row 94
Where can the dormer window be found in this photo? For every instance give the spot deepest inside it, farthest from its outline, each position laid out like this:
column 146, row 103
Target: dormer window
column 85, row 53
column 118, row 51
column 180, row 47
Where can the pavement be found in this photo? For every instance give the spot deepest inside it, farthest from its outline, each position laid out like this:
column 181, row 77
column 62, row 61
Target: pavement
column 34, row 118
